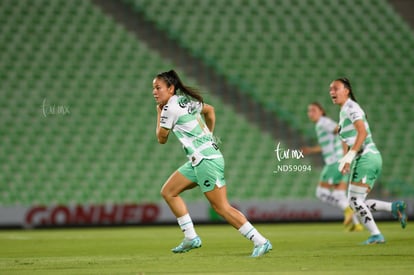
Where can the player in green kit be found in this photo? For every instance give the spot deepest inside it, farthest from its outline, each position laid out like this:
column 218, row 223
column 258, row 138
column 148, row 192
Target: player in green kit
column 181, row 110
column 363, row 161
column 332, row 184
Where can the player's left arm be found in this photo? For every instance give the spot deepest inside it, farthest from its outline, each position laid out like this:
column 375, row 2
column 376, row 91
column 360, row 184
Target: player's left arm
column 209, row 116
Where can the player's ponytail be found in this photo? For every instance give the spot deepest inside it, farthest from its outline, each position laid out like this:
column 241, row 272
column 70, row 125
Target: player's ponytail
column 172, row 78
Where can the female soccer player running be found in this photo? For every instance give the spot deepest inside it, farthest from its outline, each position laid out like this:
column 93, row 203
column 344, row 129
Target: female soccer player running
column 183, row 115
column 363, row 161
column 332, row 185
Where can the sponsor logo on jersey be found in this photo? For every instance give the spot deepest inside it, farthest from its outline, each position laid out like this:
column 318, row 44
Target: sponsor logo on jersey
column 183, row 102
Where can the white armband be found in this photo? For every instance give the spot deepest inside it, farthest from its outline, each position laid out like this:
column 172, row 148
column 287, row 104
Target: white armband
column 348, row 158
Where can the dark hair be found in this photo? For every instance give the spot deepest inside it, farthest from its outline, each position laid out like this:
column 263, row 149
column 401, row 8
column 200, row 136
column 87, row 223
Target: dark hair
column 347, row 84
column 317, row 104
column 171, row 78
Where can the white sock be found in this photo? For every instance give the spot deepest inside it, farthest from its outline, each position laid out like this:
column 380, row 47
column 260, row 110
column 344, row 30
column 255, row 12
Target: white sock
column 340, row 198
column 187, row 226
column 252, row 234
column 376, row 205
column 324, row 195
column 365, row 216
column 357, row 195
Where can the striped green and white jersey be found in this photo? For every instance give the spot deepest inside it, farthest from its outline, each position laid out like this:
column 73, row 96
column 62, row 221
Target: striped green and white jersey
column 351, row 112
column 329, row 142
column 183, row 117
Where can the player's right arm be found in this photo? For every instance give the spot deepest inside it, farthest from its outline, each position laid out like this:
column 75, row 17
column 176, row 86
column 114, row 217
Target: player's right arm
column 161, row 132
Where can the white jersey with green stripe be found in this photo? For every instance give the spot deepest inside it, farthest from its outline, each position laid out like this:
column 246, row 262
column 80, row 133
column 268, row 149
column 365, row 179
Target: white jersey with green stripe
column 182, row 116
column 329, row 142
column 351, row 112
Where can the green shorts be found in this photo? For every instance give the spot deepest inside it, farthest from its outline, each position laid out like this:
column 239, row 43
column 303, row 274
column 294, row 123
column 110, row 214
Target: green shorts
column 207, row 174
column 366, row 168
column 330, row 174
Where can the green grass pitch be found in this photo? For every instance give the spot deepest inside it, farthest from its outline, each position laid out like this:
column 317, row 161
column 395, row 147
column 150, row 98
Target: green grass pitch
column 308, row 248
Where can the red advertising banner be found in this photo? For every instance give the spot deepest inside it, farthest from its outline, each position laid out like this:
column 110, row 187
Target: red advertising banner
column 159, row 213
column 92, row 214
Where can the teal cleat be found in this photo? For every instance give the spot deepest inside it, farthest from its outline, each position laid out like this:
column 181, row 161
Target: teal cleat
column 375, row 239
column 262, row 249
column 186, row 245
column 398, row 211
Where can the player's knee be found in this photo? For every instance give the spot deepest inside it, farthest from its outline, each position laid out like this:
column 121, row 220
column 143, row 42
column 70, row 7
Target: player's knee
column 165, row 193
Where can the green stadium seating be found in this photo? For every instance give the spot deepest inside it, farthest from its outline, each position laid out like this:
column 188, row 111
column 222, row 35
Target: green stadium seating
column 296, row 48
column 68, row 54
column 78, row 115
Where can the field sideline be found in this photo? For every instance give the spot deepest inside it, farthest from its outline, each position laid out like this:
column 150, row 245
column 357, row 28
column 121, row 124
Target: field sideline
column 314, row 248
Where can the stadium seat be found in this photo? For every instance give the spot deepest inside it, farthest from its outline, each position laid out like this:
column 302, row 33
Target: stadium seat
column 72, row 55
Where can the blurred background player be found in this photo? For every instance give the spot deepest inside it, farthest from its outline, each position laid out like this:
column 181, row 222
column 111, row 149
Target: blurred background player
column 332, row 184
column 363, row 161
column 181, row 114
